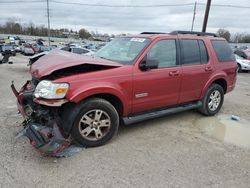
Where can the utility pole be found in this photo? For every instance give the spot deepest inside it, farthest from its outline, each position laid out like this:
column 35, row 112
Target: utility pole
column 192, row 27
column 48, row 21
column 206, row 16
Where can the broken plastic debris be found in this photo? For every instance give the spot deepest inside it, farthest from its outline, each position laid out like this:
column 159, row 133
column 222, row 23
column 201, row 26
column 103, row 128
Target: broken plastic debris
column 20, row 134
column 234, row 117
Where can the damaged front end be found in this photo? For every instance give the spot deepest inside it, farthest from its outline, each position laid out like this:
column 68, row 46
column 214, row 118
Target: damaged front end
column 41, row 122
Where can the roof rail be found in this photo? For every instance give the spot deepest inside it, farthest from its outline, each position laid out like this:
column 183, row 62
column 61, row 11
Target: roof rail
column 194, row 33
column 152, row 33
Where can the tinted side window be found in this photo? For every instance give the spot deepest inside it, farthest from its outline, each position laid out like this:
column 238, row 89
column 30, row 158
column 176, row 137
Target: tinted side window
column 190, row 51
column 164, row 52
column 76, row 50
column 84, row 51
column 223, row 50
column 65, row 49
column 203, row 51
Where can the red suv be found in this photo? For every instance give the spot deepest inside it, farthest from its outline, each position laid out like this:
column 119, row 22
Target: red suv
column 131, row 79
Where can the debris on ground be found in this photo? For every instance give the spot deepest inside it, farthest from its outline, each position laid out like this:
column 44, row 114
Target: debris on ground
column 234, row 117
column 70, row 151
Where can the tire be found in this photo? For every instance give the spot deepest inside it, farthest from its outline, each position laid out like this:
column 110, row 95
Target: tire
column 211, row 106
column 96, row 123
column 239, row 68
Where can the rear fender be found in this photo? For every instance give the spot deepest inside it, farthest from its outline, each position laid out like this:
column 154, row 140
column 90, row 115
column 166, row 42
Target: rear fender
column 210, row 81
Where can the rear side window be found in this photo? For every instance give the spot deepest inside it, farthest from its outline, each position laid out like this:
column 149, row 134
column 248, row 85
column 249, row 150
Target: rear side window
column 190, row 52
column 193, row 52
column 223, row 50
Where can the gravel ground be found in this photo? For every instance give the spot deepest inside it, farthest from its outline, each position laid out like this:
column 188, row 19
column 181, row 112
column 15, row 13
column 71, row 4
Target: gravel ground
column 168, row 152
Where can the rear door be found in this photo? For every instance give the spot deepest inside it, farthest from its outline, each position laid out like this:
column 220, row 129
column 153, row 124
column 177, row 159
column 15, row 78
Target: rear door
column 158, row 87
column 197, row 68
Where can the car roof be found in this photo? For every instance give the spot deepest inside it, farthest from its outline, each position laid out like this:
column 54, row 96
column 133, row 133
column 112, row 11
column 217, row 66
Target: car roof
column 175, row 34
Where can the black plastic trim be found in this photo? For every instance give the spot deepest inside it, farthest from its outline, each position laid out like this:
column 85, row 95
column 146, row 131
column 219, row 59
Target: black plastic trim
column 160, row 113
column 194, row 33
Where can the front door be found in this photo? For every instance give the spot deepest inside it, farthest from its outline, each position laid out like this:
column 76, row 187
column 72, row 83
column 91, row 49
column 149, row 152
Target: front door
column 158, row 87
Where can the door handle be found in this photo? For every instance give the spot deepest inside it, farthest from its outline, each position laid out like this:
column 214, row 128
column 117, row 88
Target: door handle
column 207, row 69
column 174, row 73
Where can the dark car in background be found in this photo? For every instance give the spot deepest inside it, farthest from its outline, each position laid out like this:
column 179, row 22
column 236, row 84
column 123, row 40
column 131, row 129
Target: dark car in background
column 8, row 49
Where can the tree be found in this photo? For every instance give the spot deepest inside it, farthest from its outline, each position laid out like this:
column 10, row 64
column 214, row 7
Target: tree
column 224, row 33
column 84, row 34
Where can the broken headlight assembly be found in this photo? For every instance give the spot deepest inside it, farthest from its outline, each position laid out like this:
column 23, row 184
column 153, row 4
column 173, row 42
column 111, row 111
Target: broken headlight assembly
column 49, row 90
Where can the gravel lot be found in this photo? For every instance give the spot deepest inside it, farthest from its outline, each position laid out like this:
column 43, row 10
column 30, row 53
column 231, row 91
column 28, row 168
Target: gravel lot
column 173, row 151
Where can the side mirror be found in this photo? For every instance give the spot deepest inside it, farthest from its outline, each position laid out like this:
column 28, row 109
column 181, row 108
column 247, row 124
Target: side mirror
column 147, row 64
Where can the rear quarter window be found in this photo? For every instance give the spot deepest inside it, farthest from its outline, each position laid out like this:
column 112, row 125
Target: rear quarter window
column 223, row 51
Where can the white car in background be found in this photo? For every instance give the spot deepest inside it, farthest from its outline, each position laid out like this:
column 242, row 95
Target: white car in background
column 243, row 64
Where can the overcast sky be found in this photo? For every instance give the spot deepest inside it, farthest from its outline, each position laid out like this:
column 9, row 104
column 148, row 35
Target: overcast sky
column 131, row 19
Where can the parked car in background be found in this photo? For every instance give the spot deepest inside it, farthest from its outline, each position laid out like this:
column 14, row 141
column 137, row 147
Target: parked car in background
column 12, row 40
column 17, row 48
column 243, row 64
column 78, row 50
column 243, row 53
column 37, row 56
column 2, row 41
column 27, row 49
column 8, row 49
column 247, row 53
column 131, row 79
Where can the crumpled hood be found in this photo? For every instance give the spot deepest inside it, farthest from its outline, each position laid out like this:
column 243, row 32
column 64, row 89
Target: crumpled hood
column 58, row 59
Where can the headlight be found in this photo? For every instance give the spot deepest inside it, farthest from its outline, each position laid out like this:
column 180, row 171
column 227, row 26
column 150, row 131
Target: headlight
column 49, row 90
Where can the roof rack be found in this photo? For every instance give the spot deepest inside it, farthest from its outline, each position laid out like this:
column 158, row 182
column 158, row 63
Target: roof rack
column 152, row 33
column 194, row 33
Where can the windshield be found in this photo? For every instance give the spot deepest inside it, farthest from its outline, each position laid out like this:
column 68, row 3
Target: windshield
column 247, row 53
column 123, row 50
column 238, row 57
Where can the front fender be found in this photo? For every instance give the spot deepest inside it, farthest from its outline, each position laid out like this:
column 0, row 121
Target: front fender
column 83, row 92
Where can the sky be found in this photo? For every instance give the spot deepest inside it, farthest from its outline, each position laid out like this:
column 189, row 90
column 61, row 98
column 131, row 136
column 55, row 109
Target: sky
column 115, row 20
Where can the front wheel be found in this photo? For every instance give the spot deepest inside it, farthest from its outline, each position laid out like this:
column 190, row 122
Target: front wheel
column 213, row 100
column 96, row 124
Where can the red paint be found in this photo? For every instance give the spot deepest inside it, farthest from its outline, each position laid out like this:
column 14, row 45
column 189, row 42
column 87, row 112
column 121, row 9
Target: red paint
column 164, row 87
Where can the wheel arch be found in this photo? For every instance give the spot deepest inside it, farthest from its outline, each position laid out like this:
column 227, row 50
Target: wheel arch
column 113, row 99
column 220, row 80
column 71, row 109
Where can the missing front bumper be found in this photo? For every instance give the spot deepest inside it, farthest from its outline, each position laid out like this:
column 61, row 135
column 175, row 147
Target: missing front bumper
column 48, row 141
column 40, row 121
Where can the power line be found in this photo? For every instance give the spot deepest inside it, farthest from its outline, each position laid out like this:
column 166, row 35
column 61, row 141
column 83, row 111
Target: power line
column 121, row 6
column 29, row 1
column 225, row 6
column 109, row 5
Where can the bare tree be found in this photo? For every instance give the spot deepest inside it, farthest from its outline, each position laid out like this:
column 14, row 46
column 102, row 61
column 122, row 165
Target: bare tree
column 224, row 33
column 84, row 34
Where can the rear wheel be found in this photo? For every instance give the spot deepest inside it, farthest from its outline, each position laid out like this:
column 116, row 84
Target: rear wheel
column 213, row 100
column 96, row 124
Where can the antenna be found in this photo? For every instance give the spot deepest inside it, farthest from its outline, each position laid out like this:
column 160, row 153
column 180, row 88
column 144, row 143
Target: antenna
column 48, row 21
